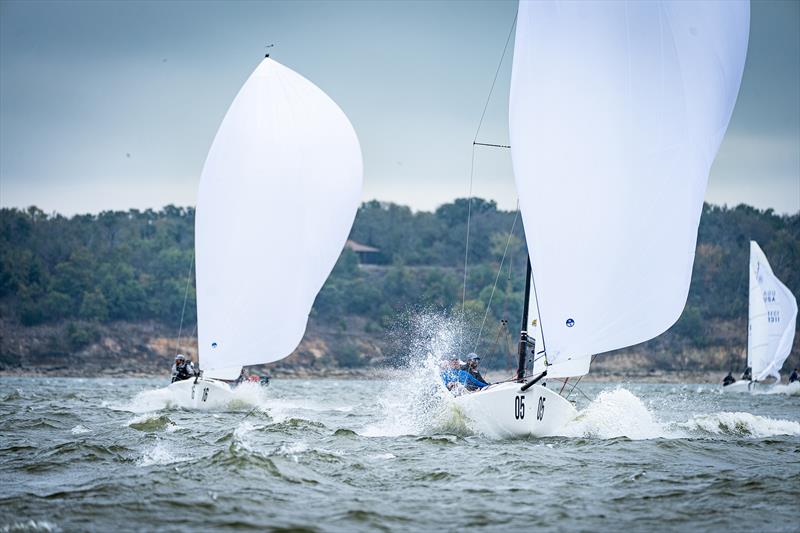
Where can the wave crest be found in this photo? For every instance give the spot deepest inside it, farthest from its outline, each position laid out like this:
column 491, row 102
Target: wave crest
column 615, row 413
column 740, row 425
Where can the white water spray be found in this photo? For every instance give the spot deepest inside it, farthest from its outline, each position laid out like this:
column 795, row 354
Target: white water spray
column 415, row 402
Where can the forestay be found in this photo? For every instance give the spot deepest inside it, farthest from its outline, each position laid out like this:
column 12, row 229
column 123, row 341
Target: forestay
column 772, row 320
column 617, row 110
column 278, row 195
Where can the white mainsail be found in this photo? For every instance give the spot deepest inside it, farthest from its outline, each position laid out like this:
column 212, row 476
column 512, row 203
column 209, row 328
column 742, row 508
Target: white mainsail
column 278, row 195
column 772, row 318
column 617, row 110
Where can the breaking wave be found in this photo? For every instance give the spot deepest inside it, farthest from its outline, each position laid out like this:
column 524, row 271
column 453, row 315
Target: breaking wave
column 161, row 453
column 740, row 425
column 152, row 422
column 615, row 413
column 620, row 413
column 30, row 525
column 790, row 389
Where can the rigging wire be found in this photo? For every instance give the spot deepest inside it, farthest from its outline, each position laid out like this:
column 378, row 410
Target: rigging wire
column 185, row 297
column 466, row 245
column 497, row 277
column 579, row 380
column 472, row 169
column 494, row 81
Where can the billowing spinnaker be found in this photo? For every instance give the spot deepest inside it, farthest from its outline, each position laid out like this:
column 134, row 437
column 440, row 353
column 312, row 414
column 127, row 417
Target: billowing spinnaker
column 278, row 195
column 617, row 111
column 772, row 320
column 566, row 366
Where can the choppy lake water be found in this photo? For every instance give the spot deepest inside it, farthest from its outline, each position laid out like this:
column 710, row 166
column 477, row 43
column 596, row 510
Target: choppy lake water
column 327, row 455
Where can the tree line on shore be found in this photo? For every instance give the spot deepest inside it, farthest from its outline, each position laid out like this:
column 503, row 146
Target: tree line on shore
column 134, row 266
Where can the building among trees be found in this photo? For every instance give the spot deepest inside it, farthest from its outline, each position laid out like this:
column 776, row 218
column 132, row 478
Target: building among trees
column 366, row 254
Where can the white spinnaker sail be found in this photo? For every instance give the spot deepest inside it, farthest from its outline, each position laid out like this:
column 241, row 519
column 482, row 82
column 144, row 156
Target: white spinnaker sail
column 772, row 318
column 617, row 110
column 566, row 366
column 278, row 195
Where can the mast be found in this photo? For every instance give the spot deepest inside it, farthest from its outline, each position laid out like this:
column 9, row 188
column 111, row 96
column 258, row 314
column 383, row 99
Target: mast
column 523, row 336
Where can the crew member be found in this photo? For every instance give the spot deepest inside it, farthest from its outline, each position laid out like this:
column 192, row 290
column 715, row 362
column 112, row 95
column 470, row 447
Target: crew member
column 794, row 377
column 748, row 374
column 728, row 380
column 182, row 369
column 471, row 367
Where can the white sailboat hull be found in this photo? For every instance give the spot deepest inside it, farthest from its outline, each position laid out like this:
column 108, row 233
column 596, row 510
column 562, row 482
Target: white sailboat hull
column 738, row 386
column 205, row 393
column 502, row 410
column 749, row 386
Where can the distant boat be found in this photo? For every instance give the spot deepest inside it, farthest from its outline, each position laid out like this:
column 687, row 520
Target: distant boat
column 278, row 195
column 772, row 319
column 617, row 111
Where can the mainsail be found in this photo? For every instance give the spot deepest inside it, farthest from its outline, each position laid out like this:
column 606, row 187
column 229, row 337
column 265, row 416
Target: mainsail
column 617, row 110
column 278, row 195
column 772, row 320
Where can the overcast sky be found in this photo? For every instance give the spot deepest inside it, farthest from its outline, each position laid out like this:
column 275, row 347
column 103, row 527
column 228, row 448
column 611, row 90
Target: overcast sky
column 113, row 105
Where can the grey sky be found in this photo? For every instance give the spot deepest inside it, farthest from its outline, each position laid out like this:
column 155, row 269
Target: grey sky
column 112, row 105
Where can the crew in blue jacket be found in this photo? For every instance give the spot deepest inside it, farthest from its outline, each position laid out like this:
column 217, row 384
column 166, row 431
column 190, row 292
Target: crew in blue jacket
column 455, row 373
column 478, row 381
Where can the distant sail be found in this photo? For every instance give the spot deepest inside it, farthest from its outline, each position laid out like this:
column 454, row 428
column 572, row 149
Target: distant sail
column 617, row 111
column 278, row 195
column 772, row 320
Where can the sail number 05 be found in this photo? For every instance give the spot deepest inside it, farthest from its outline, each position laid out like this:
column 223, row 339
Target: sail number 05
column 519, row 408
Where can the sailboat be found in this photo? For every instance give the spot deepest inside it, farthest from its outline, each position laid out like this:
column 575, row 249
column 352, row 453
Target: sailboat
column 616, row 113
column 772, row 318
column 278, row 195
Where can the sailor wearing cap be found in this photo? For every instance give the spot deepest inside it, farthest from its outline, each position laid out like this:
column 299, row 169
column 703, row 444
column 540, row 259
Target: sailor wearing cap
column 473, row 360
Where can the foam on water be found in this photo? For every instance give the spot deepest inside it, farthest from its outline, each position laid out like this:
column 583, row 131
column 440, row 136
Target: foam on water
column 281, row 409
column 383, row 456
column 790, row 389
column 151, row 422
column 29, row 525
column 80, row 430
column 292, row 450
column 615, row 413
column 161, row 454
column 620, row 413
column 241, row 434
column 740, row 425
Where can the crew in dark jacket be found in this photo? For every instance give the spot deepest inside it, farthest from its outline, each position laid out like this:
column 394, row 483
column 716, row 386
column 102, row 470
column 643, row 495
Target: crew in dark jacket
column 794, row 377
column 471, row 367
column 728, row 380
column 182, row 369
